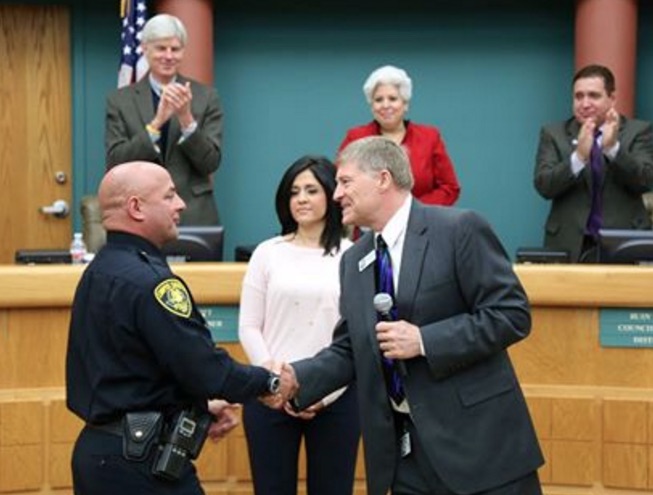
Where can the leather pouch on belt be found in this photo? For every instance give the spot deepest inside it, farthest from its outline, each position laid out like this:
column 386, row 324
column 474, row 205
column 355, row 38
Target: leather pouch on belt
column 141, row 433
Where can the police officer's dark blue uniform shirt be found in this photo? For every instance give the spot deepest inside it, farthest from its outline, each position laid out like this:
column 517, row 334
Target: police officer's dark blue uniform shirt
column 138, row 342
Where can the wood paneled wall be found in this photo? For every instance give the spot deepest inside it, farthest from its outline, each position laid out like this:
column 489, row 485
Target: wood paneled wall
column 592, row 406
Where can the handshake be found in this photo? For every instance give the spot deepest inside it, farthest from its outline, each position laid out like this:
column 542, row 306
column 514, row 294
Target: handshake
column 288, row 385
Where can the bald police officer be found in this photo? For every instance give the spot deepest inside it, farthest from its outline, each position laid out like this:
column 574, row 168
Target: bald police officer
column 141, row 365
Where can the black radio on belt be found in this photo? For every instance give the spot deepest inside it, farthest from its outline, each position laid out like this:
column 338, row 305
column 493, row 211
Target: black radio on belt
column 181, row 444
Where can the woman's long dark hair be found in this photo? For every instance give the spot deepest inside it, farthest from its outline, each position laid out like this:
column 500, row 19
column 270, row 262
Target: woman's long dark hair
column 325, row 173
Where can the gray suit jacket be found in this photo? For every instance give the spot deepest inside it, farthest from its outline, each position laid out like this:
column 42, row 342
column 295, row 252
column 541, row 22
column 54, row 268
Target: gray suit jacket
column 190, row 163
column 626, row 177
column 457, row 285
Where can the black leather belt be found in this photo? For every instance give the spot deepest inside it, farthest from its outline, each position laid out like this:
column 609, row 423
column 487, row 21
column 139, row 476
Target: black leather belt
column 115, row 427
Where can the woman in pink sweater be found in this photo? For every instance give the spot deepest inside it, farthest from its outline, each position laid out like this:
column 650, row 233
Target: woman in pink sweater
column 288, row 310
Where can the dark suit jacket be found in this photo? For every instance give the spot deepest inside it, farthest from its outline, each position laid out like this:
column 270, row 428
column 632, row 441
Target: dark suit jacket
column 457, row 285
column 190, row 163
column 625, row 179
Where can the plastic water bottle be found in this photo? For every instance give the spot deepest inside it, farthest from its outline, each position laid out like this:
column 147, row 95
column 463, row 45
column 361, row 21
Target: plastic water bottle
column 77, row 249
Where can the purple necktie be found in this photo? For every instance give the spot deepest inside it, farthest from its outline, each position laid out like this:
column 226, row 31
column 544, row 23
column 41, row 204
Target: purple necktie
column 595, row 219
column 384, row 283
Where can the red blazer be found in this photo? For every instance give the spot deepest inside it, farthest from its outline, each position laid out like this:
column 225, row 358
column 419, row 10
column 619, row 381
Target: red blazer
column 435, row 180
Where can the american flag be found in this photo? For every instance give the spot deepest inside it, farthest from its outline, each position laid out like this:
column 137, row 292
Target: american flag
column 133, row 65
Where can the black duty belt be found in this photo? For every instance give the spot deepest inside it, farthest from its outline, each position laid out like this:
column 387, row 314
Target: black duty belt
column 115, row 427
column 173, row 446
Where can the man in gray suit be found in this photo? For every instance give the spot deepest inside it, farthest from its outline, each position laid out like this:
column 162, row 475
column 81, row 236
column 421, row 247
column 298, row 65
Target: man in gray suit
column 586, row 198
column 169, row 119
column 462, row 426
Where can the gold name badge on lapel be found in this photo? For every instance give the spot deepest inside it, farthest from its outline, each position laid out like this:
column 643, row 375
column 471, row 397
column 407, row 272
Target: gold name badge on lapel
column 366, row 260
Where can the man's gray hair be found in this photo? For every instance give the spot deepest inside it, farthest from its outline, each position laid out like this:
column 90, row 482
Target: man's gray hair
column 389, row 74
column 164, row 26
column 378, row 153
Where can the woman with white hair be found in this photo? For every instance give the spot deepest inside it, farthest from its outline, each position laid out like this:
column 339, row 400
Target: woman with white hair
column 388, row 91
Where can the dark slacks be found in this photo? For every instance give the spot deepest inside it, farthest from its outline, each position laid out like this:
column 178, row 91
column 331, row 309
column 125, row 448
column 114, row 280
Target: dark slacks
column 100, row 469
column 415, row 476
column 331, row 443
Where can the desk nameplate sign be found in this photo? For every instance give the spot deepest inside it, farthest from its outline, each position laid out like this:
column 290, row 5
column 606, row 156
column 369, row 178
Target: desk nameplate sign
column 626, row 327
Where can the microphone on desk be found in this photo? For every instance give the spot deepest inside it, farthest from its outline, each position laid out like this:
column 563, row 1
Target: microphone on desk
column 383, row 303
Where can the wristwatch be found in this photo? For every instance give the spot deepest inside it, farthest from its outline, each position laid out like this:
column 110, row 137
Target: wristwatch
column 274, row 383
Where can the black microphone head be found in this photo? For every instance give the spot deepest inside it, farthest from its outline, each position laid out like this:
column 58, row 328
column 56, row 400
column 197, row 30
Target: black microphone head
column 383, row 302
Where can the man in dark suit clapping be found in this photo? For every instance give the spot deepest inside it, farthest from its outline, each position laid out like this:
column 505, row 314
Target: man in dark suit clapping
column 169, row 119
column 594, row 168
column 461, row 424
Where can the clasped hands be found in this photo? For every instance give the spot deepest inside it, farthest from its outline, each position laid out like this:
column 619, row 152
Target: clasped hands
column 397, row 340
column 288, row 385
column 226, row 416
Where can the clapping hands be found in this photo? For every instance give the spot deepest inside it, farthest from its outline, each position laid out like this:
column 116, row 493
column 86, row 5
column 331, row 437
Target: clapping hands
column 175, row 99
column 586, row 136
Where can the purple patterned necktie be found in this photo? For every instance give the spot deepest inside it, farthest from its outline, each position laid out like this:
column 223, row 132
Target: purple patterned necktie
column 595, row 219
column 384, row 283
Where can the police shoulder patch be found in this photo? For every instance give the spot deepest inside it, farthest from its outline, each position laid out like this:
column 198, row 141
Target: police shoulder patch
column 174, row 297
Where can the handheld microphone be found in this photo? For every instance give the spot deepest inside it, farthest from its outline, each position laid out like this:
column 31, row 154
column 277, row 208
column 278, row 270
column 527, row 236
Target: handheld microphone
column 383, row 304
